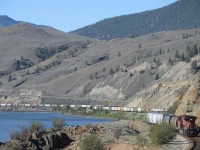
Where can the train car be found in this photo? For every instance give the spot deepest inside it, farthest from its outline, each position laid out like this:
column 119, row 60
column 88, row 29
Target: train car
column 72, row 106
column 3, row 105
column 127, row 109
column 167, row 117
column 83, row 106
column 114, row 108
column 27, row 105
column 88, row 106
column 154, row 118
column 173, row 121
column 106, row 108
column 118, row 108
column 8, row 104
column 97, row 107
column 139, row 109
column 157, row 109
column 54, row 105
column 47, row 105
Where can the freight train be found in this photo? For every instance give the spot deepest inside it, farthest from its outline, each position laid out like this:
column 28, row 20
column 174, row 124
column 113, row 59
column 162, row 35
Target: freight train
column 185, row 124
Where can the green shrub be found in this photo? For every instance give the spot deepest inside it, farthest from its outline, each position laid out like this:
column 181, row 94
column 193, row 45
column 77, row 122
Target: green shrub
column 14, row 145
column 91, row 142
column 15, row 135
column 142, row 140
column 58, row 123
column 36, row 127
column 162, row 134
column 21, row 134
column 117, row 133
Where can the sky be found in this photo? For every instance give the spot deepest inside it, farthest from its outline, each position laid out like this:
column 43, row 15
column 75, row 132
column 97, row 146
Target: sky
column 68, row 15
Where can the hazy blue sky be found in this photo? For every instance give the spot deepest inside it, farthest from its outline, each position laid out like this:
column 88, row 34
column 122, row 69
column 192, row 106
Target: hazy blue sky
column 68, row 15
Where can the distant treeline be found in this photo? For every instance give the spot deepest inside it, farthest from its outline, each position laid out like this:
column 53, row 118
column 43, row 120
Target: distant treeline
column 183, row 14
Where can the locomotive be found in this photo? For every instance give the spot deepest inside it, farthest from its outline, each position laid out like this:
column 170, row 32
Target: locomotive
column 185, row 124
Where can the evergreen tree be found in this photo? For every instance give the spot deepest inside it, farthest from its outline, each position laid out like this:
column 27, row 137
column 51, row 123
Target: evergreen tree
column 10, row 78
column 37, row 70
column 176, row 54
column 160, row 52
column 131, row 74
column 195, row 50
column 182, row 57
column 111, row 71
column 75, row 69
column 28, row 72
column 96, row 75
column 139, row 45
column 119, row 54
column 91, row 77
column 170, row 61
column 194, row 65
column 157, row 76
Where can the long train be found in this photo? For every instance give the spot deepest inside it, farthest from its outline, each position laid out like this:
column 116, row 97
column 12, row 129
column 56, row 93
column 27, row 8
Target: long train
column 94, row 107
column 185, row 124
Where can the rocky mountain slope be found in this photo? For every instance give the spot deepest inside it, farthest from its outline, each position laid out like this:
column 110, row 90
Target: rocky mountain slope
column 43, row 65
column 183, row 14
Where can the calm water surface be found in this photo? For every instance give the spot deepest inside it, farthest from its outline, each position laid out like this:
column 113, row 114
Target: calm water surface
column 12, row 121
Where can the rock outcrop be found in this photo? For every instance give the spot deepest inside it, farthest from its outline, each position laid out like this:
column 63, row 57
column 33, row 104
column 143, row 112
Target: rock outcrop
column 50, row 140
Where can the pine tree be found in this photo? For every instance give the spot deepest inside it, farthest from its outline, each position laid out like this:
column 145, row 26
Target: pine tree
column 139, row 45
column 119, row 54
column 160, row 52
column 157, row 76
column 170, row 61
column 96, row 75
column 131, row 74
column 194, row 65
column 182, row 57
column 111, row 71
column 176, row 54
column 195, row 50
column 10, row 78
column 91, row 77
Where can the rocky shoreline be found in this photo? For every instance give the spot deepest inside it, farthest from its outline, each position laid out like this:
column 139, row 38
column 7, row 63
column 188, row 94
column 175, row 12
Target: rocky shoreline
column 70, row 137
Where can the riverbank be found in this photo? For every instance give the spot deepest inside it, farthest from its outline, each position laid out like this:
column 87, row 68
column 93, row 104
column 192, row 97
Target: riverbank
column 131, row 135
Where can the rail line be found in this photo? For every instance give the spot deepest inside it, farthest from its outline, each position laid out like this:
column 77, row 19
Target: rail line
column 193, row 142
column 196, row 145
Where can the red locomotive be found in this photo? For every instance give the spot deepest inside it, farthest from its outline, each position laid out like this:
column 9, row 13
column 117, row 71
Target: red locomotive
column 186, row 125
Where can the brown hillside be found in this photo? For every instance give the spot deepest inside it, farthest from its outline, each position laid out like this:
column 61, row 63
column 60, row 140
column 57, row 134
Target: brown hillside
column 73, row 69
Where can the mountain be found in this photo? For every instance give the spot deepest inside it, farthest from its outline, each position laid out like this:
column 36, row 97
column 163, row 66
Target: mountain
column 44, row 65
column 183, row 14
column 7, row 21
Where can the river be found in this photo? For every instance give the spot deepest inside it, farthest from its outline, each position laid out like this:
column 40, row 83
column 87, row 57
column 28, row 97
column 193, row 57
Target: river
column 12, row 121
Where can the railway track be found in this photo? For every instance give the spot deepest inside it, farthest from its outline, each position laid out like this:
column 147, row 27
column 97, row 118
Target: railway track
column 196, row 145
column 193, row 142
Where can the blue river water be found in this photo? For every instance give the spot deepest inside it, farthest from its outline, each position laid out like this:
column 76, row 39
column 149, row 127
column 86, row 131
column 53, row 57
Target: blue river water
column 12, row 121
